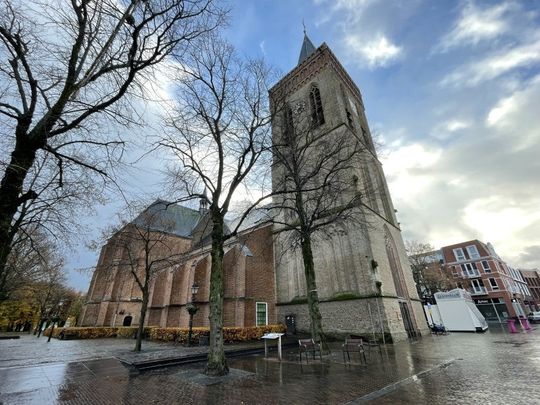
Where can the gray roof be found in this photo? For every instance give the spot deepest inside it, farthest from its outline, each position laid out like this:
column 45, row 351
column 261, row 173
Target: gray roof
column 307, row 49
column 256, row 217
column 168, row 217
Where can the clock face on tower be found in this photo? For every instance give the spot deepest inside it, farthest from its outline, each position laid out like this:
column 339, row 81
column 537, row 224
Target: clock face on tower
column 299, row 107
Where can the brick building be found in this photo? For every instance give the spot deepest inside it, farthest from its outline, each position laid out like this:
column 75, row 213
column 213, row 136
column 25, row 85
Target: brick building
column 532, row 278
column 363, row 276
column 114, row 299
column 499, row 291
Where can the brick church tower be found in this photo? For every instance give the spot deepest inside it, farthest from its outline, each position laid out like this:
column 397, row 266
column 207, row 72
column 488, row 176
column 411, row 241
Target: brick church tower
column 364, row 281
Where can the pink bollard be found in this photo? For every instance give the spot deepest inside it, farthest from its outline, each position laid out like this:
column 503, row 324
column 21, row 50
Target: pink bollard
column 512, row 326
column 525, row 324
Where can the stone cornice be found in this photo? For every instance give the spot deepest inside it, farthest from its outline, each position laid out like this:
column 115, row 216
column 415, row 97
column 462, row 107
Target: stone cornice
column 308, row 69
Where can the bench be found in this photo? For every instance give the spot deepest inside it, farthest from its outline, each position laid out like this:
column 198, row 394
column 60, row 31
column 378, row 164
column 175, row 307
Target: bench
column 308, row 346
column 369, row 343
column 352, row 345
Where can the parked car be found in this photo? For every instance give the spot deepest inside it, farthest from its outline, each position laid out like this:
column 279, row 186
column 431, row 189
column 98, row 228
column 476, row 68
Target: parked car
column 534, row 316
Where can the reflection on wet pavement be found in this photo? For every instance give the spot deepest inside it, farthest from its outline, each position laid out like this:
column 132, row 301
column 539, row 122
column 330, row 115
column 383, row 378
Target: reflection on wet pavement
column 459, row 368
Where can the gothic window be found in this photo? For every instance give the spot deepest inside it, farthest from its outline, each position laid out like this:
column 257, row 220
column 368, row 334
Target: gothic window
column 384, row 197
column 395, row 267
column 369, row 190
column 289, row 124
column 349, row 118
column 346, row 101
column 316, row 106
column 365, row 137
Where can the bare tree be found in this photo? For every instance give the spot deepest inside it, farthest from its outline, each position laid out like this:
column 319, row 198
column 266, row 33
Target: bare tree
column 144, row 246
column 67, row 65
column 219, row 133
column 53, row 217
column 316, row 191
column 29, row 261
column 49, row 290
column 45, row 295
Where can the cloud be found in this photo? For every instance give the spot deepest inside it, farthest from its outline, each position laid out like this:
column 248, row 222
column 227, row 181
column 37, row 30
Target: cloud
column 476, row 25
column 495, row 65
column 448, row 128
column 377, row 52
column 498, row 113
column 364, row 30
column 495, row 217
column 479, row 185
column 530, row 257
column 516, row 117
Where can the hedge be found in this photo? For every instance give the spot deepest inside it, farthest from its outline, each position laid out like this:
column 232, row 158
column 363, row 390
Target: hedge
column 93, row 332
column 180, row 335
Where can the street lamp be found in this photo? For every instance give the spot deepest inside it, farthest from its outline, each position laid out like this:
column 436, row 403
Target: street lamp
column 192, row 309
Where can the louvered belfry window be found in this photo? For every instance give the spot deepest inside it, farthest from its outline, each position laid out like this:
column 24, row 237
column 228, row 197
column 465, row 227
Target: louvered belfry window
column 289, row 124
column 316, row 106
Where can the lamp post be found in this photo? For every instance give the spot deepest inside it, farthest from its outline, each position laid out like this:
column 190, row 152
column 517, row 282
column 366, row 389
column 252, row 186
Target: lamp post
column 192, row 309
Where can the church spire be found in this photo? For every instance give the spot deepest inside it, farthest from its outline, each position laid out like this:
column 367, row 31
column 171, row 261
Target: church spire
column 307, row 47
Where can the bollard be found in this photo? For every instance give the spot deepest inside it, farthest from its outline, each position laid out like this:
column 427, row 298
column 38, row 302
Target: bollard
column 525, row 324
column 512, row 326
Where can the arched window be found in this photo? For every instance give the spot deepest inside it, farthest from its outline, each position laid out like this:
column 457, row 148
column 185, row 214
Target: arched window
column 346, row 102
column 289, row 124
column 316, row 106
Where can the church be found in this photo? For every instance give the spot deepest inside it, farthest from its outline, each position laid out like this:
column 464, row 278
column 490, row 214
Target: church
column 364, row 282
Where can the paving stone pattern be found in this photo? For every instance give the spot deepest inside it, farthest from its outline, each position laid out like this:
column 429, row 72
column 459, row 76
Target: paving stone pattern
column 495, row 367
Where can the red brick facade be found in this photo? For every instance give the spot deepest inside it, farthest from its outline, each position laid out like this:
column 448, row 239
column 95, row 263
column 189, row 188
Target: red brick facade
column 498, row 290
column 114, row 296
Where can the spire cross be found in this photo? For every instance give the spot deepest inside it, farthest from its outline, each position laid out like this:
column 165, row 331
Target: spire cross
column 304, row 25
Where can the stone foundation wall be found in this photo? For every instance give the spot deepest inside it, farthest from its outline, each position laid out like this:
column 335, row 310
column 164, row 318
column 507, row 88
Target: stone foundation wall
column 340, row 317
column 357, row 316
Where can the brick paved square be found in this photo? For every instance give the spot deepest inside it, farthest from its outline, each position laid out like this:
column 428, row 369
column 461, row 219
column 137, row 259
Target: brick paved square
column 495, row 367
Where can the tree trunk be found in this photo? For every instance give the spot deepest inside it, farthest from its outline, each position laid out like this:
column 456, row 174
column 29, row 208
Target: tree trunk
column 217, row 364
column 11, row 188
column 140, row 329
column 317, row 332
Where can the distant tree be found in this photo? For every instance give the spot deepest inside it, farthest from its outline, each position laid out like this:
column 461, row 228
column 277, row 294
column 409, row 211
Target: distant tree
column 48, row 292
column 72, row 309
column 219, row 133
column 315, row 190
column 66, row 67
column 29, row 262
column 18, row 310
column 24, row 264
column 429, row 274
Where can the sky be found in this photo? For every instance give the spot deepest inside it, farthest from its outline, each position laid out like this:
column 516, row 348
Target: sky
column 451, row 91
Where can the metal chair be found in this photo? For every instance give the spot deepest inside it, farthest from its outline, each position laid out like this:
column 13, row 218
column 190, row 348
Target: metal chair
column 353, row 346
column 308, row 346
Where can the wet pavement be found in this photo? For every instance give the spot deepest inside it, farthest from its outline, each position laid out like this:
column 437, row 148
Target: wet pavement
column 494, row 367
